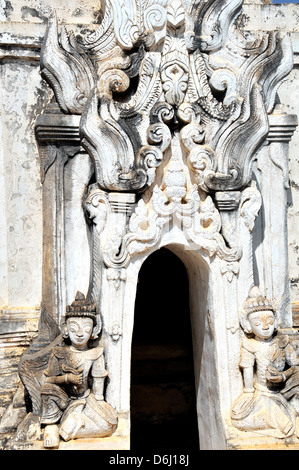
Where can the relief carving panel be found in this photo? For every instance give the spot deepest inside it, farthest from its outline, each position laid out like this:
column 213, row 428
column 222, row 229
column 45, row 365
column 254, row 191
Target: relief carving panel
column 171, row 103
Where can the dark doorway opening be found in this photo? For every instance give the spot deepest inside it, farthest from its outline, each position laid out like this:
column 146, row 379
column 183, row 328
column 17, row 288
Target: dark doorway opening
column 163, row 398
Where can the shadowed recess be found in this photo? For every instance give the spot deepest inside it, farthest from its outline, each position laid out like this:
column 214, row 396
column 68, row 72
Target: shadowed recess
column 163, row 401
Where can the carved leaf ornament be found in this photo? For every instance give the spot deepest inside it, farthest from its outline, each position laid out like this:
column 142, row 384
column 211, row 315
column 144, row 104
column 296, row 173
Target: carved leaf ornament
column 155, row 71
column 67, row 68
column 192, row 54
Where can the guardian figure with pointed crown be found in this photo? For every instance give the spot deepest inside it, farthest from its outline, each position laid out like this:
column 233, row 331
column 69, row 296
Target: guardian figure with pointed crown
column 270, row 372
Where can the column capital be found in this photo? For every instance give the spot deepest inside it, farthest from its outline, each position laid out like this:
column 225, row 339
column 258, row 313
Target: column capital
column 227, row 200
column 54, row 127
column 281, row 126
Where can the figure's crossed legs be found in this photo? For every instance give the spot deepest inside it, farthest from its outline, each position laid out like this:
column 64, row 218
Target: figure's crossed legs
column 70, row 426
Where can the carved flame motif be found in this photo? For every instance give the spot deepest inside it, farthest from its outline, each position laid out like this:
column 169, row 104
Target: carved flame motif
column 110, row 148
column 212, row 34
column 182, row 54
column 67, row 68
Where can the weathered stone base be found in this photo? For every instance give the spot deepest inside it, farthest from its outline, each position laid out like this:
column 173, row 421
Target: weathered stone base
column 255, row 441
column 120, row 440
column 258, row 443
column 18, row 326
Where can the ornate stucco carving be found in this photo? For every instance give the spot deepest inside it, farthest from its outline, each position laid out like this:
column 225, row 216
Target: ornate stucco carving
column 67, row 68
column 171, row 101
column 219, row 86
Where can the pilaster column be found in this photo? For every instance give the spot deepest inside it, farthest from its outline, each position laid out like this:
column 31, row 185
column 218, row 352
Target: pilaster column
column 113, row 299
column 58, row 137
column 110, row 213
column 273, row 178
column 227, row 203
column 238, row 211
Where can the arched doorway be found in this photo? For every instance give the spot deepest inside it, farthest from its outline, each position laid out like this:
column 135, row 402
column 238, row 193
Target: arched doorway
column 163, row 398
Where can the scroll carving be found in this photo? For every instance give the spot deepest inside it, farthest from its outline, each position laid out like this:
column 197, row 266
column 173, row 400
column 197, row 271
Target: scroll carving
column 171, row 103
column 250, row 204
column 215, row 20
column 194, row 64
column 110, row 147
column 67, row 68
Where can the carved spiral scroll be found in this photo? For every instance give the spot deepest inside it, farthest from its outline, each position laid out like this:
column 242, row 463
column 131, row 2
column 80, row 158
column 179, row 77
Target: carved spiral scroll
column 201, row 158
column 154, row 17
column 113, row 80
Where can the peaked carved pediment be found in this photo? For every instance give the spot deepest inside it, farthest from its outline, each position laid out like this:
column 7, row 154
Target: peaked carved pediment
column 215, row 86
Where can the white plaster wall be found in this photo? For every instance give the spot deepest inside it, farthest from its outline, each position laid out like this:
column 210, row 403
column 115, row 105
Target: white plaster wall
column 3, row 229
column 21, row 227
column 289, row 95
column 37, row 11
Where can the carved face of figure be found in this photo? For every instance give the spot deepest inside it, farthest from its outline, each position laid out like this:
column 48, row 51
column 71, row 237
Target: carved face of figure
column 79, row 330
column 262, row 324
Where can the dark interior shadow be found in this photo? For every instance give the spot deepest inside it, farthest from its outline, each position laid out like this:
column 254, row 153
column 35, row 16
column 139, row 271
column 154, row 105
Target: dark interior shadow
column 163, row 399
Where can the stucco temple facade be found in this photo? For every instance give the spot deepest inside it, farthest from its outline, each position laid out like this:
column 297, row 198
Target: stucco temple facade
column 156, row 133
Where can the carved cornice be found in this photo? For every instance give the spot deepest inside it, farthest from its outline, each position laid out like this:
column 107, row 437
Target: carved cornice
column 58, row 135
column 58, row 128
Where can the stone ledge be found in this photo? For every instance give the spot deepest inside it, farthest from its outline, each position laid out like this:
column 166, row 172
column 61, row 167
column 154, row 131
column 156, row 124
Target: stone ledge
column 18, row 320
column 120, row 440
column 260, row 443
column 58, row 128
column 106, row 443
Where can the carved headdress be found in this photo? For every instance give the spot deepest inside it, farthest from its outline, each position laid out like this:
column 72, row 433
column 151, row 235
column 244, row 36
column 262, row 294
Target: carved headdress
column 81, row 307
column 255, row 302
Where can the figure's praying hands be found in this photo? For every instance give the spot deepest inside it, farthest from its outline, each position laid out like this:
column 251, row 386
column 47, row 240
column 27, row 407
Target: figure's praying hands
column 75, row 378
column 273, row 375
